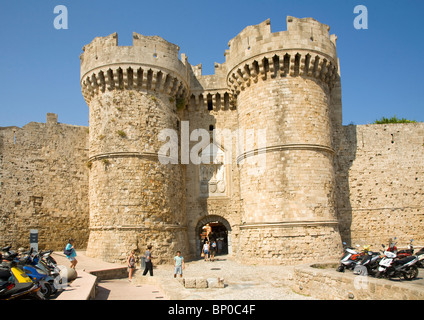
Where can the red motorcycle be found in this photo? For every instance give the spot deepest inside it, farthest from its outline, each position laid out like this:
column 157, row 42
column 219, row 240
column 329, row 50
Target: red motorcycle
column 407, row 252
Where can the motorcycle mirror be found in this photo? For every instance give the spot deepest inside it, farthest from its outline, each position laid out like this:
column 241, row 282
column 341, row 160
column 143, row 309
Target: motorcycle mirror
column 383, row 245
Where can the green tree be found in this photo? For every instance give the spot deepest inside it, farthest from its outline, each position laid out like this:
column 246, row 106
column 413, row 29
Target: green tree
column 394, row 119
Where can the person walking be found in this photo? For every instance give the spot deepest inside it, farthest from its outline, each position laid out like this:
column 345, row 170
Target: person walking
column 206, row 250
column 148, row 258
column 131, row 265
column 178, row 264
column 213, row 250
column 72, row 253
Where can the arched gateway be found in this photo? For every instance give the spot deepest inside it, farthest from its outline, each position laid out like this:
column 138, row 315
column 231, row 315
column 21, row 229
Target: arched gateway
column 220, row 231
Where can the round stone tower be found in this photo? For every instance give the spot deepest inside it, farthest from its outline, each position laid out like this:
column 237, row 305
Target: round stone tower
column 135, row 198
column 282, row 83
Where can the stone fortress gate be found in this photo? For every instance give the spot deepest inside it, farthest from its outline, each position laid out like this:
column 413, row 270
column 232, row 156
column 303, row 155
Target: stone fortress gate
column 278, row 196
column 280, row 180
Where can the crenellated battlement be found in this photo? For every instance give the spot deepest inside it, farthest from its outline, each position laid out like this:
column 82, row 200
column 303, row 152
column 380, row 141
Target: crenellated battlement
column 305, row 34
column 151, row 64
column 282, row 64
column 305, row 49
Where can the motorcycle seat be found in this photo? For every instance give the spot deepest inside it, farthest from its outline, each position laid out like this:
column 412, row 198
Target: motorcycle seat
column 404, row 260
column 4, row 274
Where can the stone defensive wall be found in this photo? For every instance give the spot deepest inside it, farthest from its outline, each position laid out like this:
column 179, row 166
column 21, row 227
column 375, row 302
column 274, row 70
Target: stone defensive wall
column 380, row 184
column 44, row 184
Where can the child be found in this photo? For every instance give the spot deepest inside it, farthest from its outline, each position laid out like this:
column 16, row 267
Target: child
column 178, row 264
column 71, row 257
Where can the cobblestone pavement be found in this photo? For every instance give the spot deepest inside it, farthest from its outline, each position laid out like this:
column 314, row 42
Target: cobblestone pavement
column 242, row 282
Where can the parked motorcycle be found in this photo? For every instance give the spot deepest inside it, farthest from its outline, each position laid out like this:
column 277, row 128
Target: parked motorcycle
column 350, row 258
column 47, row 259
column 368, row 265
column 391, row 267
column 407, row 252
column 15, row 283
column 42, row 278
column 35, row 268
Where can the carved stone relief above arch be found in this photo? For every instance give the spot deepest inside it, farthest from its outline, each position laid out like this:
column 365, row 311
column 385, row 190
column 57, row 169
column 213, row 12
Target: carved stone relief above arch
column 213, row 176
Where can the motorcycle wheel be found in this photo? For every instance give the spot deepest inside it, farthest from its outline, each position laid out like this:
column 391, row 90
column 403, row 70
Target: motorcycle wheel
column 341, row 268
column 411, row 274
column 46, row 290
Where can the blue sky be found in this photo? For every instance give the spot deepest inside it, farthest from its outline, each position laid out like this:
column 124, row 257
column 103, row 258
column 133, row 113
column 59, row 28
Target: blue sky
column 381, row 67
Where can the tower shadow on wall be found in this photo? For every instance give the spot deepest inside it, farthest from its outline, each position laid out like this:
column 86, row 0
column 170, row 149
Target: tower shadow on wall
column 346, row 156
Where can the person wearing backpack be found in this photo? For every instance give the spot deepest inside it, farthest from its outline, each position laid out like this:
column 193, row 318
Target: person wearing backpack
column 71, row 253
column 213, row 250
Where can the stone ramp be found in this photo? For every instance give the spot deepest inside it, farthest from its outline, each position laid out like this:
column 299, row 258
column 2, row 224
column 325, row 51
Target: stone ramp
column 101, row 269
column 100, row 280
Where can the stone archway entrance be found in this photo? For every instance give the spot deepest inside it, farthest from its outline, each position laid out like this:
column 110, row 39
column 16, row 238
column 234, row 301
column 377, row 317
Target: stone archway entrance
column 220, row 231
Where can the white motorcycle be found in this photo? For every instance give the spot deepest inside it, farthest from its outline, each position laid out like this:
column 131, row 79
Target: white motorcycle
column 349, row 259
column 391, row 267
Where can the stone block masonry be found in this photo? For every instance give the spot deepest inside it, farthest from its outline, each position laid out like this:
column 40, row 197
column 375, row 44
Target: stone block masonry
column 44, row 184
column 381, row 184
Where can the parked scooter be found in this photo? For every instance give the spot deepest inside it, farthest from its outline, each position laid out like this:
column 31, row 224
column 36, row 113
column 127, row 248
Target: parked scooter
column 349, row 258
column 34, row 266
column 391, row 267
column 15, row 283
column 47, row 259
column 407, row 252
column 369, row 263
column 30, row 263
column 42, row 278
